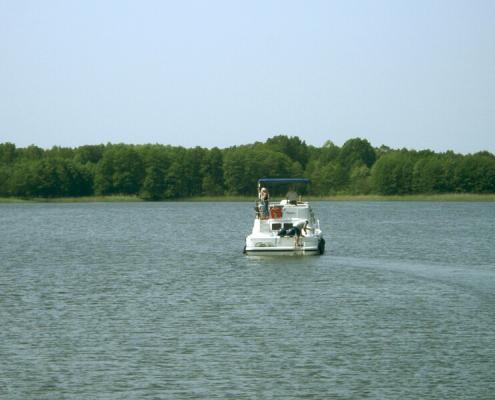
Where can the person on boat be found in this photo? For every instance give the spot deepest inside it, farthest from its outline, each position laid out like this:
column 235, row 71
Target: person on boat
column 264, row 200
column 297, row 230
column 291, row 197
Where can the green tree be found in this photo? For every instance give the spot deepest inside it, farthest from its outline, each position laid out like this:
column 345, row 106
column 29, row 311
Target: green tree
column 8, row 153
column 157, row 160
column 154, row 184
column 60, row 152
column 356, row 151
column 244, row 165
column 45, row 178
column 476, row 173
column 5, row 172
column 21, row 181
column 192, row 164
column 427, row 173
column 334, row 178
column 360, row 179
column 329, row 152
column 176, row 186
column 392, row 174
column 155, row 171
column 50, row 177
column 293, row 147
column 30, row 153
column 89, row 154
column 212, row 172
column 121, row 170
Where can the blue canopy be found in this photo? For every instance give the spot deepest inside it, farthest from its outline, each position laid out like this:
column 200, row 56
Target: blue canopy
column 283, row 180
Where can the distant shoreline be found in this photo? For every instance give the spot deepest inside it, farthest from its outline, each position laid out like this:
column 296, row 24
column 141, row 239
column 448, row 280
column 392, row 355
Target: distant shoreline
column 448, row 197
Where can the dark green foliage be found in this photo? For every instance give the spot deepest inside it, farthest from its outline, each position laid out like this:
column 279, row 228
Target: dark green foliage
column 176, row 186
column 89, row 154
column 8, row 153
column 326, row 178
column 212, row 172
column 434, row 174
column 156, row 172
column 60, row 152
column 244, row 165
column 49, row 178
column 292, row 147
column 120, row 171
column 356, row 151
column 154, row 184
column 360, row 179
column 30, row 153
column 342, row 170
column 476, row 173
column 5, row 174
column 156, row 161
column 329, row 152
column 392, row 174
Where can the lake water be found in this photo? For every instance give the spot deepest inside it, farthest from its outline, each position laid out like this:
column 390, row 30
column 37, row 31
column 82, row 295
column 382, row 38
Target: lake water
column 157, row 301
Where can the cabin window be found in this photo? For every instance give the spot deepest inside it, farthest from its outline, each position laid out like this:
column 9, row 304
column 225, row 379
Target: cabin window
column 288, row 225
column 276, row 226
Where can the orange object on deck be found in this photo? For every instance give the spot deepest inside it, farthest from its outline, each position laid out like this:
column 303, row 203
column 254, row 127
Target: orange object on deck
column 275, row 212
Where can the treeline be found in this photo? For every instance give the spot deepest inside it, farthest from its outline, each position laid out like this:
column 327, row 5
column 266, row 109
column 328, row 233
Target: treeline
column 156, row 172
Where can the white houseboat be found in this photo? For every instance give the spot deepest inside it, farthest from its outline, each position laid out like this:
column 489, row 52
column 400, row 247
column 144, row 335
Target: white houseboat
column 287, row 226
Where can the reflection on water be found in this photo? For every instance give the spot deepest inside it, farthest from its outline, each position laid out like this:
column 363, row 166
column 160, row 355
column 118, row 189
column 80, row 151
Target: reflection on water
column 156, row 300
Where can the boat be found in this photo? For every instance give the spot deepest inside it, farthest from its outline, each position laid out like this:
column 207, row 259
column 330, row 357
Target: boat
column 287, row 226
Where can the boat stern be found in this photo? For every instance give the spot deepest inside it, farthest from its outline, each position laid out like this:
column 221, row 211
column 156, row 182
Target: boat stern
column 268, row 245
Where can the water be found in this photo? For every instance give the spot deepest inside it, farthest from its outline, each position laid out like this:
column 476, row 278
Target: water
column 156, row 301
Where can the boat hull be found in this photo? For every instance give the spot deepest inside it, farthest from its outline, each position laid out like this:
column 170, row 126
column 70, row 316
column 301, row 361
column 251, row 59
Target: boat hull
column 314, row 247
column 282, row 252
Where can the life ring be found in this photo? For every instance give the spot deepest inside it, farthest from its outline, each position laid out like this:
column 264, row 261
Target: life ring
column 275, row 213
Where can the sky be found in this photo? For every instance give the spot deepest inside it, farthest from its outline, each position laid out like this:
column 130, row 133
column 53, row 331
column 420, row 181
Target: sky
column 414, row 74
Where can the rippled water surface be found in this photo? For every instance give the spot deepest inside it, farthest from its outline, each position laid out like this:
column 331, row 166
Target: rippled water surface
column 156, row 301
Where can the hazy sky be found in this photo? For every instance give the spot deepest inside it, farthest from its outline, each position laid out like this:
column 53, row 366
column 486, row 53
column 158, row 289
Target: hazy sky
column 415, row 74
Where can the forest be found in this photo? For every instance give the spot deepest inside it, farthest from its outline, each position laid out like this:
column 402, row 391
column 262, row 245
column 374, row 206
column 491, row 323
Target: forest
column 159, row 172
